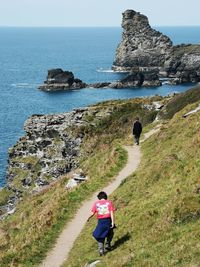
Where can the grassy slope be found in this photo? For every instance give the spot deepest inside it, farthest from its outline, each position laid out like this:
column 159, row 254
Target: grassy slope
column 158, row 206
column 179, row 102
column 26, row 236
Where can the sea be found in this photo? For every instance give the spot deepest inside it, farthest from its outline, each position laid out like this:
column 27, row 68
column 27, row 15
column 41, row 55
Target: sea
column 27, row 53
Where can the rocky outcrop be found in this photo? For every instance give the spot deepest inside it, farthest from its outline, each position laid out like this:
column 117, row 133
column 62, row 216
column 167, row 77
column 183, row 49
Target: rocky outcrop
column 142, row 46
column 183, row 65
column 138, row 78
column 100, row 85
column 57, row 79
column 50, row 149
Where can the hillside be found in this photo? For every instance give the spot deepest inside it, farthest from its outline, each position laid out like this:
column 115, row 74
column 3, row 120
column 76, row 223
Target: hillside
column 158, row 207
column 27, row 235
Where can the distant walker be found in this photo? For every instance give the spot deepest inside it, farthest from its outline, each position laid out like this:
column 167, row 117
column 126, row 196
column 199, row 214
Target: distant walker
column 137, row 130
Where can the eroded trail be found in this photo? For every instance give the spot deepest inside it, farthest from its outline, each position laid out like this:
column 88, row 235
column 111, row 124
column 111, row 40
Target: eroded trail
column 64, row 243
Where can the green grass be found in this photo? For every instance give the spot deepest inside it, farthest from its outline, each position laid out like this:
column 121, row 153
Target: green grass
column 179, row 102
column 187, row 49
column 4, row 196
column 31, row 231
column 158, row 207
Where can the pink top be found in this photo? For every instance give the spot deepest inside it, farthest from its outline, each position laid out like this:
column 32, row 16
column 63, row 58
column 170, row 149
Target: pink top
column 103, row 208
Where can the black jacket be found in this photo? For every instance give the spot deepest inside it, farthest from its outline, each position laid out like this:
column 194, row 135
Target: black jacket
column 137, row 128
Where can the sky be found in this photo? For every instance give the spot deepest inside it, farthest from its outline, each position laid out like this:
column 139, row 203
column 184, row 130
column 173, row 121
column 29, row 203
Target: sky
column 92, row 13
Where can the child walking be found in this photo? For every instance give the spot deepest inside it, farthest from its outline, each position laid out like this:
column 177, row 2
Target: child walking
column 104, row 210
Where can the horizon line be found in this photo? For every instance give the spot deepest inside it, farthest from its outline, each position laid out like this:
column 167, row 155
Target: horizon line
column 51, row 26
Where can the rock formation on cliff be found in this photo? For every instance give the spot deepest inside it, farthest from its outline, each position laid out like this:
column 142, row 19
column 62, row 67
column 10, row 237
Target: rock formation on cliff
column 57, row 79
column 145, row 47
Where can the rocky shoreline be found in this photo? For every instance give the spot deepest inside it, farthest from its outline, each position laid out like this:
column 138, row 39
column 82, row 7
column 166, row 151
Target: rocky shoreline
column 65, row 81
column 145, row 54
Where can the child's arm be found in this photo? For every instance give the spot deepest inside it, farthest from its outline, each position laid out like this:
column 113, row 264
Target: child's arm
column 112, row 218
column 90, row 216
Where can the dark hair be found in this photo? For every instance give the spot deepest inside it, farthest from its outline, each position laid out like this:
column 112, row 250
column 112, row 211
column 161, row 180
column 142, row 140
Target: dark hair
column 137, row 118
column 102, row 195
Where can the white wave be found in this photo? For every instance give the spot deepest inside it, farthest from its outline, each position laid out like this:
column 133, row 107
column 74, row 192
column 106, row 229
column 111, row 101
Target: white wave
column 105, row 70
column 111, row 71
column 24, row 85
column 165, row 82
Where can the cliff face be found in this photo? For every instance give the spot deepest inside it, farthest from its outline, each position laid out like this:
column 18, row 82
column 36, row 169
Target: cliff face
column 184, row 63
column 146, row 48
column 141, row 45
column 50, row 148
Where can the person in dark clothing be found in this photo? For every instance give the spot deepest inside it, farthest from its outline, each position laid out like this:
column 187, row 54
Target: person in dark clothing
column 137, row 130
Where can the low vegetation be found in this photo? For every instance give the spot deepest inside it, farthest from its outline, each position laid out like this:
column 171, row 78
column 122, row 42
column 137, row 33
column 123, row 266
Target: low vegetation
column 179, row 50
column 179, row 102
column 158, row 207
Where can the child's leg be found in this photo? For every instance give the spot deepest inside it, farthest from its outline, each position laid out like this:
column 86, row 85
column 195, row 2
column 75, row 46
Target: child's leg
column 101, row 246
column 109, row 239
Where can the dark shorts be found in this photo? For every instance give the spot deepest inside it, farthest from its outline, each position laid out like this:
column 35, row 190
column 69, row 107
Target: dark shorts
column 102, row 229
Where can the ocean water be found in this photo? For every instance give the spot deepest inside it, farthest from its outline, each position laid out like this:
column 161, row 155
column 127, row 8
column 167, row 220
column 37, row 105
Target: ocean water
column 27, row 53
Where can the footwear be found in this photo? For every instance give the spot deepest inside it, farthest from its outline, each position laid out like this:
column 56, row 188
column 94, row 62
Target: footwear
column 101, row 253
column 108, row 247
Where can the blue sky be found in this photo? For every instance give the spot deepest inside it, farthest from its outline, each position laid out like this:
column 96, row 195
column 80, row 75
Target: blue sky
column 96, row 12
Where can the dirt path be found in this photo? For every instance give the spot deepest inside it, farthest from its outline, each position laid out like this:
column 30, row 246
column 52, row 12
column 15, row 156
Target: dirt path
column 59, row 253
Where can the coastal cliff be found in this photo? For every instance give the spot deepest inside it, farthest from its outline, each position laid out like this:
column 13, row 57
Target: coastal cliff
column 52, row 147
column 146, row 49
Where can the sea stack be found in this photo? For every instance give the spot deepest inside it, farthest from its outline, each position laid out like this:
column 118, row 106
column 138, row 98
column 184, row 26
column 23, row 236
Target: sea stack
column 57, row 79
column 145, row 48
column 141, row 45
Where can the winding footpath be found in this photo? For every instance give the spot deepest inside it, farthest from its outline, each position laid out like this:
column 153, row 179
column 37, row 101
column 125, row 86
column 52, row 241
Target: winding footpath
column 65, row 241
